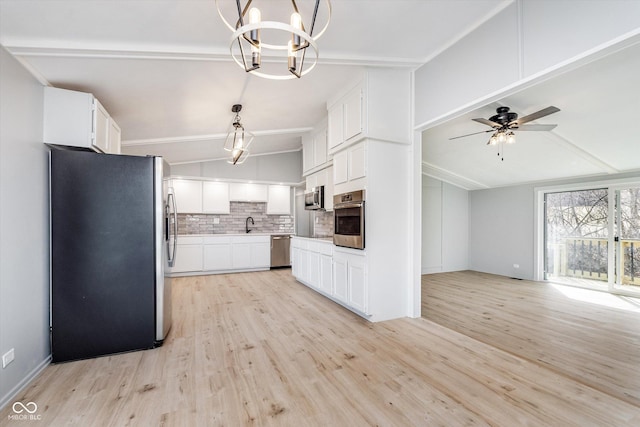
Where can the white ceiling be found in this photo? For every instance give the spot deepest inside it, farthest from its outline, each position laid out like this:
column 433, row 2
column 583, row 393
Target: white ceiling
column 163, row 71
column 597, row 130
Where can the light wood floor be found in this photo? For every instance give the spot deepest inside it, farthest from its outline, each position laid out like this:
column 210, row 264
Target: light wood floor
column 589, row 336
column 262, row 349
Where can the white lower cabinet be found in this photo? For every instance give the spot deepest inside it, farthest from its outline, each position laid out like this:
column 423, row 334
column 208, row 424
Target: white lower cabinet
column 357, row 284
column 350, row 279
column 261, row 254
column 326, row 273
column 217, row 253
column 340, row 280
column 340, row 274
column 221, row 254
column 313, row 258
column 188, row 254
column 241, row 255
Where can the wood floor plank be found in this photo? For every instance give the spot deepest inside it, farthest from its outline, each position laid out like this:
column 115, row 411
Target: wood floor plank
column 261, row 349
column 591, row 343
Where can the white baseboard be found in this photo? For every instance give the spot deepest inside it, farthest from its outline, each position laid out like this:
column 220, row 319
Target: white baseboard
column 11, row 395
column 431, row 270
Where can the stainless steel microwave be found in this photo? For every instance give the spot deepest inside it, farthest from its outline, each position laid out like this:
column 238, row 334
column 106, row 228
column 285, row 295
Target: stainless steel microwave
column 314, row 199
column 348, row 220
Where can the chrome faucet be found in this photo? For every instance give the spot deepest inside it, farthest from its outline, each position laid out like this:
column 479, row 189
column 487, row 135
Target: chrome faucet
column 246, row 223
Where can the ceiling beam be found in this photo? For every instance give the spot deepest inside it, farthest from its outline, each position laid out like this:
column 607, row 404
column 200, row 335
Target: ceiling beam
column 210, row 55
column 214, row 136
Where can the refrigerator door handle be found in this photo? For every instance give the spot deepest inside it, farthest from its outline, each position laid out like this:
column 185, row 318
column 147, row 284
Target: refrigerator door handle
column 172, row 255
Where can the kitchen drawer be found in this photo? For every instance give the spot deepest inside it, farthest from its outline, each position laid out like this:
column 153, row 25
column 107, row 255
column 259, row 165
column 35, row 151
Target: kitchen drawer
column 251, row 239
column 189, row 240
column 217, row 240
column 326, row 248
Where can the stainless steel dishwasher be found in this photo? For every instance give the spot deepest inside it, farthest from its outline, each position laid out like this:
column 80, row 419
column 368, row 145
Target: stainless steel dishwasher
column 280, row 250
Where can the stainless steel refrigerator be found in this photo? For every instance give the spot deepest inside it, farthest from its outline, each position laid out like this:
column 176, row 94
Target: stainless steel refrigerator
column 113, row 235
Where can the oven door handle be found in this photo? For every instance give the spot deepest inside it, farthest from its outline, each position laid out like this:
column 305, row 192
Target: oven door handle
column 349, row 205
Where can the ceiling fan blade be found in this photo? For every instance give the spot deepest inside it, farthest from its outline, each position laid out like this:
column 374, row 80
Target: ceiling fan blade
column 536, row 127
column 469, row 134
column 488, row 123
column 536, row 115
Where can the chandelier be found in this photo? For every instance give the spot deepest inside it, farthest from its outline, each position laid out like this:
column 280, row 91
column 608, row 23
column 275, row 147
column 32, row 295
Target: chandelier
column 238, row 139
column 263, row 47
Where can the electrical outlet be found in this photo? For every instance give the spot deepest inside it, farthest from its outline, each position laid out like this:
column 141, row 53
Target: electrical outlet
column 7, row 358
column 216, row 220
column 516, row 265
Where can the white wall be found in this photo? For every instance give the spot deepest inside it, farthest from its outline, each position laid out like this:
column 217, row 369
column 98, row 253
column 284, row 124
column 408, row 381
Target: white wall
column 282, row 167
column 502, row 227
column 527, row 38
column 501, row 231
column 24, row 228
column 455, row 226
column 445, row 227
column 556, row 30
column 431, row 225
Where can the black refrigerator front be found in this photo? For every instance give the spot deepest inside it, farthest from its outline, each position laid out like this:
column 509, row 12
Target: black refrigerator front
column 112, row 236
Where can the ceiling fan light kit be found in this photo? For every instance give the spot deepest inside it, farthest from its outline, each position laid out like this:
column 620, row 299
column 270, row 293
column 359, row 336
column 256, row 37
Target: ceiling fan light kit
column 238, row 139
column 282, row 41
column 504, row 122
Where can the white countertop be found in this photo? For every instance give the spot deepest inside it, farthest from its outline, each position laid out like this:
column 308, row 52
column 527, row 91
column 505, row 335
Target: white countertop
column 322, row 239
column 235, row 234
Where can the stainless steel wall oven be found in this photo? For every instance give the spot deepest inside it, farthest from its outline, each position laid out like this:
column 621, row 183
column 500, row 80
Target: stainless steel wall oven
column 348, row 219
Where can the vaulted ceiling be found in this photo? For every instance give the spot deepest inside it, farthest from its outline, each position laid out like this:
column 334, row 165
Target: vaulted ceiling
column 162, row 69
column 597, row 131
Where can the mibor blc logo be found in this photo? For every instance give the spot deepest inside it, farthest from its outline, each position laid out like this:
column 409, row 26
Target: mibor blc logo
column 24, row 412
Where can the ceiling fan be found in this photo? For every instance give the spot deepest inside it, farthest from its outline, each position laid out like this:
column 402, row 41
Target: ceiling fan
column 504, row 122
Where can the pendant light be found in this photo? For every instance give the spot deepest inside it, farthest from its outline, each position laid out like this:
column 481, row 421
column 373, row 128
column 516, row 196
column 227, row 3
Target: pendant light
column 272, row 49
column 238, row 139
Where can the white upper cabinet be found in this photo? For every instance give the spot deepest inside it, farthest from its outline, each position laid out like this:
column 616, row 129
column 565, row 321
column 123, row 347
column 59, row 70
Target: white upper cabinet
column 353, row 113
column 78, row 119
column 307, row 152
column 279, row 202
column 320, row 147
column 335, row 128
column 377, row 106
column 314, row 149
column 188, row 195
column 101, row 127
column 341, row 167
column 350, row 167
column 357, row 166
column 215, row 197
column 247, row 192
column 114, row 137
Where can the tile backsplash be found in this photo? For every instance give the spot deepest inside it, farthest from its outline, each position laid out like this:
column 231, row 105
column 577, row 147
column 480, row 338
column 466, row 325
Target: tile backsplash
column 234, row 222
column 323, row 224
